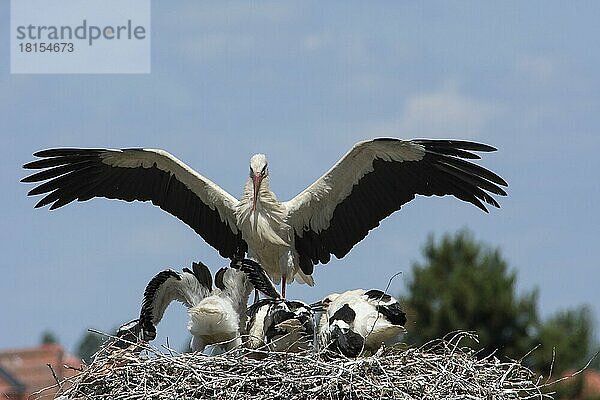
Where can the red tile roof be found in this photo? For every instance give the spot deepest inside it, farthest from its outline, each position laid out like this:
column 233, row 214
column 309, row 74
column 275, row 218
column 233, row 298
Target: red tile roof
column 592, row 383
column 10, row 386
column 30, row 367
column 590, row 380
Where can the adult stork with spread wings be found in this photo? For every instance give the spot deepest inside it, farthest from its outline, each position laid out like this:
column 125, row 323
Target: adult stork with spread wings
column 374, row 179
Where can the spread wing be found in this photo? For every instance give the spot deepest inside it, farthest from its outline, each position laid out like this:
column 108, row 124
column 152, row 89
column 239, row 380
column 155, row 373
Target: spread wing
column 188, row 287
column 144, row 175
column 374, row 179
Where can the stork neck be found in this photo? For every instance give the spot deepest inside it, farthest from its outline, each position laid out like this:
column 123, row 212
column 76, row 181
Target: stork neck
column 269, row 214
column 264, row 196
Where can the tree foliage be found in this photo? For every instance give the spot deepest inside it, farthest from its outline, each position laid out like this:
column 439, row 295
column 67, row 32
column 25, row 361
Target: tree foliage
column 463, row 284
column 466, row 285
column 88, row 345
column 49, row 337
column 566, row 340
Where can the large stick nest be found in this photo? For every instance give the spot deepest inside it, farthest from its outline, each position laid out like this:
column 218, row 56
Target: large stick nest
column 442, row 369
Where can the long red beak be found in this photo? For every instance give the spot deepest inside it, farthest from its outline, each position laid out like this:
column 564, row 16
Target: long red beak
column 256, row 180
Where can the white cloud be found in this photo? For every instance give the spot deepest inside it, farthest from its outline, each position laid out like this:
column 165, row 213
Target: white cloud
column 443, row 113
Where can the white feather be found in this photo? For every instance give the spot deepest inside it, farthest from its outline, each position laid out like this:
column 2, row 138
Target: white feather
column 209, row 192
column 215, row 317
column 368, row 322
column 314, row 206
column 269, row 227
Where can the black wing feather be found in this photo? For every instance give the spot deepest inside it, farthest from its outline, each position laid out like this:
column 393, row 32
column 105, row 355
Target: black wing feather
column 79, row 174
column 257, row 276
column 202, row 273
column 148, row 330
column 393, row 313
column 443, row 170
column 378, row 295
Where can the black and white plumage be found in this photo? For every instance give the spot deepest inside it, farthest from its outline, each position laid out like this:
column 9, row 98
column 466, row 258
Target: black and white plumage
column 217, row 315
column 275, row 323
column 280, row 325
column 374, row 179
column 360, row 319
column 340, row 336
column 257, row 276
column 128, row 335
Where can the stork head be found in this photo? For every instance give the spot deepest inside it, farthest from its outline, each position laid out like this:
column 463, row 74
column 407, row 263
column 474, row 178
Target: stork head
column 259, row 170
column 327, row 300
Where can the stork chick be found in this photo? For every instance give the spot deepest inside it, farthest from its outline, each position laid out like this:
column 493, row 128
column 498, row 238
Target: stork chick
column 217, row 316
column 280, row 325
column 276, row 323
column 359, row 320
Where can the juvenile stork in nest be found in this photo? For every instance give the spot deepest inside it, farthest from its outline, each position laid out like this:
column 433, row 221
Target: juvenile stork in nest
column 217, row 315
column 275, row 323
column 359, row 320
column 374, row 179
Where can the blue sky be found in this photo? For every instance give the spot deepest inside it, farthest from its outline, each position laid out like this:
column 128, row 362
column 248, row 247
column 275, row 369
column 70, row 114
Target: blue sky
column 302, row 82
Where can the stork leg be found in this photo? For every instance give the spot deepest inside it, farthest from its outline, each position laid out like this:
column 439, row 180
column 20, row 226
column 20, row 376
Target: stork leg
column 283, row 286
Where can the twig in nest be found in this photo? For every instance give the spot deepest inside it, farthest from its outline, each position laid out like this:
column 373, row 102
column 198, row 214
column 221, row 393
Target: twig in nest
column 438, row 370
column 54, row 375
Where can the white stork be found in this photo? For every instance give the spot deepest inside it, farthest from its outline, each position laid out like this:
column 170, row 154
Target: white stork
column 276, row 323
column 374, row 179
column 217, row 316
column 281, row 325
column 359, row 319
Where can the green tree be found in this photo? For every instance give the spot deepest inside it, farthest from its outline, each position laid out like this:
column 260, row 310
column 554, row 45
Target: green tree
column 88, row 345
column 570, row 334
column 466, row 285
column 49, row 337
column 463, row 284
